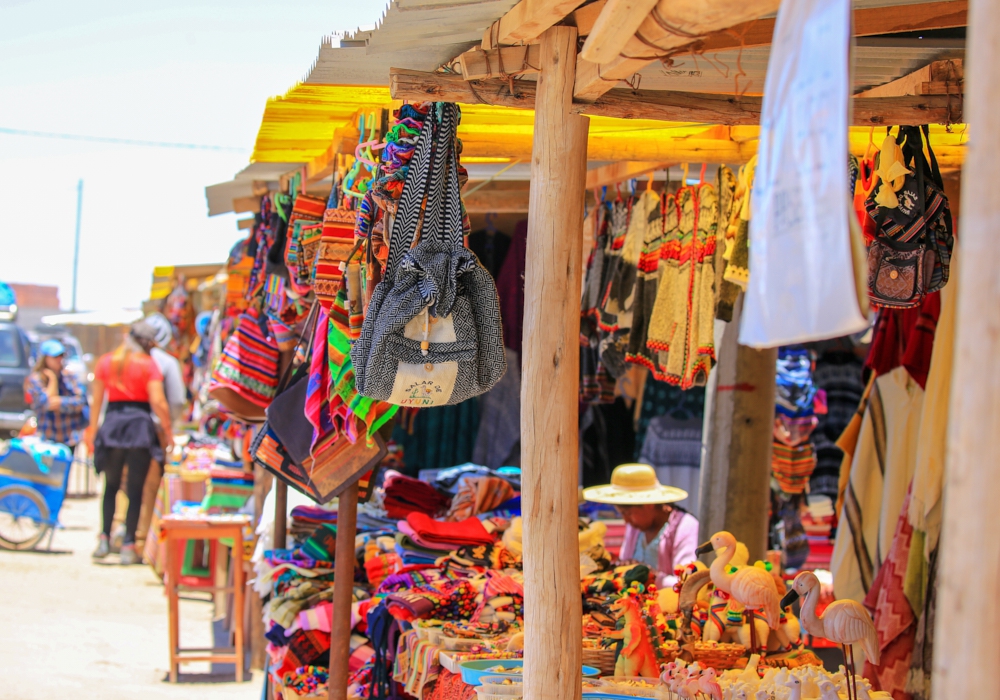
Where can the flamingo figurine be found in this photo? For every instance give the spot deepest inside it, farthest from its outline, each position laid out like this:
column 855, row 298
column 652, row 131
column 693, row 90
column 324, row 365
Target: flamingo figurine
column 708, row 684
column 751, row 586
column 844, row 622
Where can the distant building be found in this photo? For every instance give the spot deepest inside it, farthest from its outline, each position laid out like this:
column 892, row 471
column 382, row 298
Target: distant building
column 33, row 302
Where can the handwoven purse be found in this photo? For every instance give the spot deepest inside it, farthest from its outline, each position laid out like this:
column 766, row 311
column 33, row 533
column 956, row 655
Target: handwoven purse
column 285, row 445
column 245, row 377
column 431, row 335
column 910, row 254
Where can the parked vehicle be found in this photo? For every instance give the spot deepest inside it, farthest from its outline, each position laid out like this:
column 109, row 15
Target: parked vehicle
column 15, row 365
column 8, row 303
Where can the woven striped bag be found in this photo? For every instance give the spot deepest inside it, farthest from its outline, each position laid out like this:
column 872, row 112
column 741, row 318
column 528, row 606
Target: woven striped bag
column 249, row 362
column 431, row 336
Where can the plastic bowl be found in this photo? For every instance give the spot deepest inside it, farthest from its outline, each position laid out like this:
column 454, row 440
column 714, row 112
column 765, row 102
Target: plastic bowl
column 473, row 671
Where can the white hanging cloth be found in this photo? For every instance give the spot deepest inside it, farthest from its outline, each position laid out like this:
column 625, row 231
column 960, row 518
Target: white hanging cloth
column 802, row 284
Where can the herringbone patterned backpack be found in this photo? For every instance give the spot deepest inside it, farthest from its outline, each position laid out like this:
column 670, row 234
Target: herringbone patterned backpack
column 432, row 334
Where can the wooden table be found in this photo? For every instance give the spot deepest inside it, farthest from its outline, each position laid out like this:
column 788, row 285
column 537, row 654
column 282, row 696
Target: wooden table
column 174, row 529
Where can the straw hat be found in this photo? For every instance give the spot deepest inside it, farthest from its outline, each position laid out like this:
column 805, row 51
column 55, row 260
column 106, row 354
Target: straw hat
column 634, row 485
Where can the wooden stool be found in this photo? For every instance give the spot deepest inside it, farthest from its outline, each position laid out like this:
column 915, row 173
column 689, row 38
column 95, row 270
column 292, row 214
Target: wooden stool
column 207, row 528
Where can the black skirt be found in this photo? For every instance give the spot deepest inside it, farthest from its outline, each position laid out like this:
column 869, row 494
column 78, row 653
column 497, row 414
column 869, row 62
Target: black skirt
column 126, row 425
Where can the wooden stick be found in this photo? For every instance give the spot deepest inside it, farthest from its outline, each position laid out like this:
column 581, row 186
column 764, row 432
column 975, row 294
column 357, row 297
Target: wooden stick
column 666, row 105
column 343, row 593
column 280, row 514
column 550, row 388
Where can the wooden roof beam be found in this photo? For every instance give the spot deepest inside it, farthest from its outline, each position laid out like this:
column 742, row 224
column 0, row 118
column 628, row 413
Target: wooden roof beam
column 584, row 18
column 872, row 21
column 497, row 198
column 617, row 24
column 344, row 140
column 243, row 205
column 596, row 77
column 619, row 172
column 713, row 108
column 670, row 25
column 526, row 21
column 936, row 78
column 478, row 63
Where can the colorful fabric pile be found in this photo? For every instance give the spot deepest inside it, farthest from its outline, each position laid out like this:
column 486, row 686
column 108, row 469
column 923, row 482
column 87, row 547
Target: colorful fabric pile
column 797, row 401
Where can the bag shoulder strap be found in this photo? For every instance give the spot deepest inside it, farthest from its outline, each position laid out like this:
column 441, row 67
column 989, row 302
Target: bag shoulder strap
column 308, row 332
column 412, row 199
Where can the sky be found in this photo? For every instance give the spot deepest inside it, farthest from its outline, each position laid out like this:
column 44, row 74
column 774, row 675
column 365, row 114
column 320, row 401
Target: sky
column 194, row 72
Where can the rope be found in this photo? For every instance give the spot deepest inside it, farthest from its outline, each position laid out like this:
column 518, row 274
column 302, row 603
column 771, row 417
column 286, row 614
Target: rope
column 491, row 178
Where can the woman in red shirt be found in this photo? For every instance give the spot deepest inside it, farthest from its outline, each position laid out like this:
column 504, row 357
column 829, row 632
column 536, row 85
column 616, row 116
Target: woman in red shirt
column 133, row 385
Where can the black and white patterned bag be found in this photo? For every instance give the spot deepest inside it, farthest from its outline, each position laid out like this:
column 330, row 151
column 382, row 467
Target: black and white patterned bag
column 431, row 336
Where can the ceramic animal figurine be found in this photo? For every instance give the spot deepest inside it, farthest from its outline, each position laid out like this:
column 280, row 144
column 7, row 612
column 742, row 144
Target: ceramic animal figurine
column 844, row 622
column 865, row 692
column 788, row 635
column 751, row 586
column 795, row 686
column 749, row 673
column 638, row 655
column 828, row 691
column 708, row 684
column 763, row 633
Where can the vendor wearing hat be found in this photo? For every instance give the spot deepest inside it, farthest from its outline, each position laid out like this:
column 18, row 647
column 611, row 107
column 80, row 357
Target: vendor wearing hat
column 57, row 398
column 658, row 534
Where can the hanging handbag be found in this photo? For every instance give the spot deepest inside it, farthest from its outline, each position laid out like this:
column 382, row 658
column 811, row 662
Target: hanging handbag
column 431, row 335
column 910, row 255
column 336, row 241
column 331, row 466
column 285, row 443
column 245, row 377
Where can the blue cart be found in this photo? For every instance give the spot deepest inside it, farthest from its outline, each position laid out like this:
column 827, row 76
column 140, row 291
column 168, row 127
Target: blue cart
column 33, row 478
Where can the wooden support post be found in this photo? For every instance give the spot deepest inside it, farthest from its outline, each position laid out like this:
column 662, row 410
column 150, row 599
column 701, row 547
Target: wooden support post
column 968, row 613
column 736, row 458
column 550, row 385
column 343, row 592
column 280, row 514
column 262, row 480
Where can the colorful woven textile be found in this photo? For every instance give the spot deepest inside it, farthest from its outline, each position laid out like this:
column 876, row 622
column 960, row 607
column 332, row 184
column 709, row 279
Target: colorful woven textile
column 682, row 320
column 249, row 362
column 306, row 212
column 336, row 241
column 792, row 466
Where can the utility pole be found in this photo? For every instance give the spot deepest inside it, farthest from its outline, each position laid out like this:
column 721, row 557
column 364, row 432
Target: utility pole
column 76, row 240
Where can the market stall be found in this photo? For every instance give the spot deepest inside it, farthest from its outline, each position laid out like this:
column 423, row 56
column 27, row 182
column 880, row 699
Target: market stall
column 745, row 440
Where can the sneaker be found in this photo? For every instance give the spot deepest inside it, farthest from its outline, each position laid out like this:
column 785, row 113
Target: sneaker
column 117, row 538
column 128, row 555
column 103, row 548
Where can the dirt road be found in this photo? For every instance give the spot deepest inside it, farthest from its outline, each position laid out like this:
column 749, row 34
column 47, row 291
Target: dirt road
column 72, row 628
